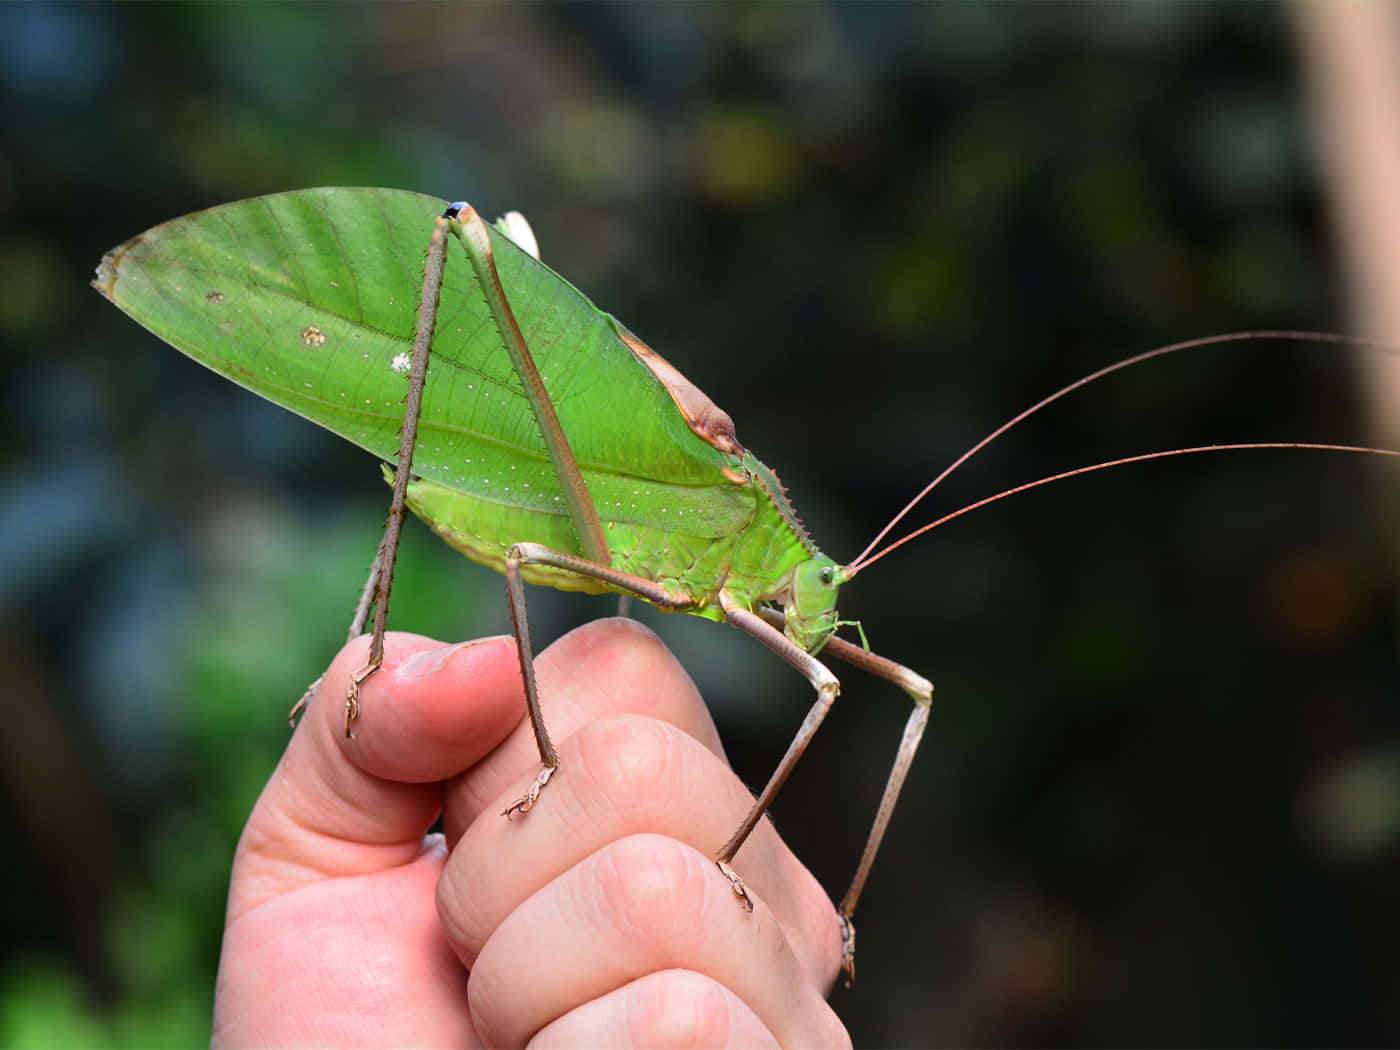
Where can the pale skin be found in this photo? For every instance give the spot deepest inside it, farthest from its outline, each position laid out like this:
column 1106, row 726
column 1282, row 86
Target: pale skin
column 597, row 919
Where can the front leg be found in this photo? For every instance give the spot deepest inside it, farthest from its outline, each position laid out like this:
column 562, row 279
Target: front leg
column 826, row 685
column 920, row 690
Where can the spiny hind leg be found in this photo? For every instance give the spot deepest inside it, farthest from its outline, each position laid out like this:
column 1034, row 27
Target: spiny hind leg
column 523, row 554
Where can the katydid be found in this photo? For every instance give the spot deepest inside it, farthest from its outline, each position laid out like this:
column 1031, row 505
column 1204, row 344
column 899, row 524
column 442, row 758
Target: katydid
column 495, row 389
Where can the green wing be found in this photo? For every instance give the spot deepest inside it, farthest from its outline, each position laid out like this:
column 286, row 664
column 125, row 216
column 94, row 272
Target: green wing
column 309, row 299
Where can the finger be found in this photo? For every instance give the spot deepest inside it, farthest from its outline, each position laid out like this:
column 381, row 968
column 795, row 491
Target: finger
column 605, row 667
column 640, row 905
column 346, row 807
column 673, row 1008
column 334, row 967
column 625, row 776
column 431, row 710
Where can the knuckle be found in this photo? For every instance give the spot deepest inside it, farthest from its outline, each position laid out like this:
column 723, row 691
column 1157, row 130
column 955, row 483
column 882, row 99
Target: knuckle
column 628, row 760
column 455, row 917
column 832, row 1032
column 813, row 926
column 625, row 639
column 679, row 1009
column 639, row 643
column 653, row 886
column 642, row 676
column 630, row 652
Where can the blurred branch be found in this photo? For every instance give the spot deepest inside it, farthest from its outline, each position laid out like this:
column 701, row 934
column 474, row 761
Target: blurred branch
column 1351, row 58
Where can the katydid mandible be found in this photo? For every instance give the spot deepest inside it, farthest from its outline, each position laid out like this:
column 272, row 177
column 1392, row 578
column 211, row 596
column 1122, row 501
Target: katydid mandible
column 483, row 384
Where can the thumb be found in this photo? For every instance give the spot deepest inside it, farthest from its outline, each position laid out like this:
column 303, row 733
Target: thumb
column 336, row 806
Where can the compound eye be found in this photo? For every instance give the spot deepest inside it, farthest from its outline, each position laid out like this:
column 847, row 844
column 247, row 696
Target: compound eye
column 827, row 575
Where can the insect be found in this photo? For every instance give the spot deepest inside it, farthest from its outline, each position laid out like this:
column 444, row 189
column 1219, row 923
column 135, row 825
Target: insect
column 492, row 384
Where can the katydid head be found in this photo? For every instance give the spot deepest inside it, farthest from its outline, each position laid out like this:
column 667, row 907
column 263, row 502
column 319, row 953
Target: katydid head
column 810, row 609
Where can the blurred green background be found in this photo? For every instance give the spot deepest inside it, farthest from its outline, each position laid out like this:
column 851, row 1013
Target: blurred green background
column 1159, row 801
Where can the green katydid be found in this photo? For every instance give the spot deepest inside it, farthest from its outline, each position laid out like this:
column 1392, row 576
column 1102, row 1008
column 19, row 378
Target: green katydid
column 495, row 388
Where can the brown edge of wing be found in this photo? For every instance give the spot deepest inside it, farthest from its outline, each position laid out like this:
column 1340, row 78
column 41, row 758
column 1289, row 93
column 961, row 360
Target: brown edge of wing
column 106, row 279
column 709, row 422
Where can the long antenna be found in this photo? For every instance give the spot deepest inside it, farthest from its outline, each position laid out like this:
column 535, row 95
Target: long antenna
column 1290, row 335
column 864, row 562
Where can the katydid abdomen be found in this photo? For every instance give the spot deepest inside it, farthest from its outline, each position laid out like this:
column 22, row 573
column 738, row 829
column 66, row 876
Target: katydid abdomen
column 473, row 527
column 659, row 533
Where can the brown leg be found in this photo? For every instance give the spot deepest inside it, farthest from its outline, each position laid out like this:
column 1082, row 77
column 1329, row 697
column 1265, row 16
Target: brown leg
column 921, row 691
column 381, row 574
column 383, row 571
column 515, row 594
column 523, row 554
column 826, row 685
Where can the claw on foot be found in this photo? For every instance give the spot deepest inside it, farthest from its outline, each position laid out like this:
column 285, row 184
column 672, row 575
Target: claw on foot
column 527, row 801
column 352, row 695
column 301, row 704
column 848, row 948
column 736, row 884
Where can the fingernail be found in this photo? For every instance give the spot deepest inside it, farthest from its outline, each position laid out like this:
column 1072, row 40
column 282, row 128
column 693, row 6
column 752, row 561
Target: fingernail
column 430, row 661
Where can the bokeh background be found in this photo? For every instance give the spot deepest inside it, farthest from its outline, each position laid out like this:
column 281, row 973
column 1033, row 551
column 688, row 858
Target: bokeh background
column 1159, row 801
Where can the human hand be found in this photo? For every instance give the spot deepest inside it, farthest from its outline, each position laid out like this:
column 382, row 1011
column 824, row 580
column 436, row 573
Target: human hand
column 596, row 919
